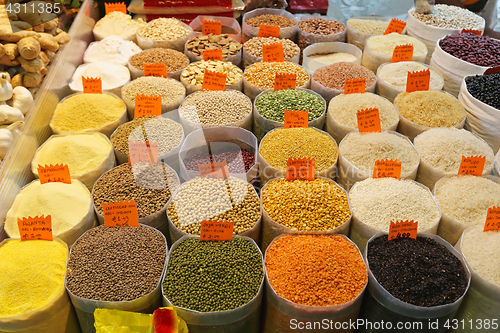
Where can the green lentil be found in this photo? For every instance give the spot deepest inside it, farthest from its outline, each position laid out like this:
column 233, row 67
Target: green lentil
column 213, row 276
column 272, row 105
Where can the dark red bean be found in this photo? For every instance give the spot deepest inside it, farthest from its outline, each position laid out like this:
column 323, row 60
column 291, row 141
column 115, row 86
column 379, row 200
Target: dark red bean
column 475, row 49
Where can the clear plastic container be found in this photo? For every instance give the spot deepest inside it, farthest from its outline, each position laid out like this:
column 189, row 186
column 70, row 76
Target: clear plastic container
column 311, row 65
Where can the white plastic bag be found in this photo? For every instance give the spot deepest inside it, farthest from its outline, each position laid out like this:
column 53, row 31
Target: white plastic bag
column 230, row 26
column 250, row 32
column 311, row 65
column 358, row 38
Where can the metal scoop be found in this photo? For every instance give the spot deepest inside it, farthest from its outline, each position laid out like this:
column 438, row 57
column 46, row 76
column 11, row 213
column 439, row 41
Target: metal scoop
column 424, row 6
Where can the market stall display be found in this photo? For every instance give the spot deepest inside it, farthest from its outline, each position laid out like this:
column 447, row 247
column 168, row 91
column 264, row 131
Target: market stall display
column 252, row 49
column 231, row 49
column 317, row 29
column 117, row 24
column 169, row 33
column 192, row 77
column 267, row 16
column 174, row 61
column 359, row 29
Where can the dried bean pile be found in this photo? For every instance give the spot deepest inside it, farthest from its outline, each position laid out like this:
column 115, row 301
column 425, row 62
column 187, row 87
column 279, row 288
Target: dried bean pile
column 229, row 46
column 333, row 76
column 450, row 17
column 319, row 26
column 254, row 46
column 485, row 88
column 195, row 72
column 164, row 29
column 477, row 50
column 269, row 19
column 239, row 159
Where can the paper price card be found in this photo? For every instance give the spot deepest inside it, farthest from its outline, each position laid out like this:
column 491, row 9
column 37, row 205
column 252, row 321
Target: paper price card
column 216, row 230
column 115, row 7
column 492, row 219
column 396, row 25
column 273, row 52
column 369, row 120
column 296, row 118
column 387, row 168
column 472, row 165
column 492, row 70
column 269, row 31
column 38, row 227
column 214, row 81
column 475, row 32
column 121, row 214
column 142, row 152
column 285, row 81
column 91, row 85
column 155, row 70
column 147, row 106
column 402, row 53
column 354, row 86
column 403, row 229
column 214, row 170
column 418, row 80
column 58, row 173
column 300, row 168
column 211, row 27
column 215, row 54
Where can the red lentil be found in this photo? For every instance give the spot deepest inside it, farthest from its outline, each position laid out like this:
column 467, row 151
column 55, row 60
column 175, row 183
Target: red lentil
column 334, row 75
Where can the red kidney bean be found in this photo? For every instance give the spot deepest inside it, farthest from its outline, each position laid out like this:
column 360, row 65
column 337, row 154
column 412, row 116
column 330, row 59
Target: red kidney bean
column 239, row 160
column 475, row 49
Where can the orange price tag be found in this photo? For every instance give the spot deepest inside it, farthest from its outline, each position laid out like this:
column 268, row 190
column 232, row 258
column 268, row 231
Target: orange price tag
column 387, row 168
column 285, row 81
column 396, row 25
column 475, row 32
column 214, row 81
column 216, row 230
column 211, row 27
column 354, row 86
column 369, row 120
column 418, row 80
column 492, row 70
column 115, row 7
column 296, row 118
column 92, row 86
column 300, row 168
column 58, row 173
column 273, row 52
column 212, row 54
column 402, row 53
column 155, row 70
column 268, row 31
column 123, row 213
column 492, row 219
column 147, row 106
column 38, row 227
column 472, row 165
column 403, row 229
column 142, row 152
column 214, row 170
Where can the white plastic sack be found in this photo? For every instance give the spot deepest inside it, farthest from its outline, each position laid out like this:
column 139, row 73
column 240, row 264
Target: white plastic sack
column 311, row 65
column 250, row 32
column 175, row 44
column 358, row 38
column 228, row 24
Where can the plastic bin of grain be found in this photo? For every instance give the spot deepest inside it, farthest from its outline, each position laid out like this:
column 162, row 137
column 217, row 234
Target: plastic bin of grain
column 196, row 45
column 359, row 151
column 483, row 298
column 113, row 76
column 392, row 78
column 280, row 144
column 422, row 110
column 396, row 300
column 233, row 309
column 342, row 117
column 462, row 210
column 150, row 186
column 119, row 24
column 359, row 29
column 269, row 108
column 441, row 151
column 253, row 50
column 174, row 61
column 230, row 26
column 192, row 77
column 216, row 144
column 32, row 294
column 375, row 202
column 323, row 54
column 268, row 16
column 168, row 33
column 307, row 259
column 319, row 29
column 138, row 258
column 379, row 49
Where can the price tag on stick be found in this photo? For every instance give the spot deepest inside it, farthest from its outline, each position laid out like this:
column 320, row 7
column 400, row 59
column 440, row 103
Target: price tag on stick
column 387, row 168
column 155, row 70
column 142, row 152
column 296, row 118
column 418, row 80
column 492, row 219
column 147, row 106
column 472, row 165
column 300, row 168
column 91, row 85
column 475, row 32
column 402, row 53
column 211, row 27
column 38, row 227
column 215, row 54
column 285, row 81
column 214, row 170
column 396, row 25
column 58, row 173
column 214, row 81
column 216, row 230
column 268, row 31
column 273, row 52
column 115, row 7
column 369, row 120
column 354, row 86
column 123, row 213
column 400, row 229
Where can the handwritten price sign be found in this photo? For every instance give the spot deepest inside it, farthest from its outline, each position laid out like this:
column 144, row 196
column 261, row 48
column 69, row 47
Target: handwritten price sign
column 211, row 27
column 400, row 229
column 214, row 81
column 475, row 32
column 216, row 230
column 58, row 173
column 92, row 85
column 296, row 118
column 492, row 219
column 300, row 168
column 369, row 120
column 38, row 227
column 123, row 213
column 155, row 70
column 396, row 25
column 269, row 31
column 418, row 80
column 402, row 53
column 472, row 165
column 115, row 7
column 273, row 52
column 147, row 106
column 387, row 168
column 143, row 152
column 214, row 170
column 354, row 86
column 285, row 81
column 215, row 54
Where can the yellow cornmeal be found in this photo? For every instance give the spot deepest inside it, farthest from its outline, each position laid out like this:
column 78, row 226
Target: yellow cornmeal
column 87, row 111
column 66, row 203
column 31, row 275
column 81, row 152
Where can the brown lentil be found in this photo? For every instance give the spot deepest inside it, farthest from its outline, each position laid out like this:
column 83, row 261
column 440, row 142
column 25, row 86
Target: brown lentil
column 333, row 76
column 171, row 91
column 194, row 73
column 172, row 59
column 319, row 26
column 269, row 19
column 119, row 139
column 164, row 29
column 262, row 74
column 254, row 46
column 166, row 132
column 229, row 46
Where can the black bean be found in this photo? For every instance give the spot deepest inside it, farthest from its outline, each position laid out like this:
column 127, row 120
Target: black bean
column 485, row 88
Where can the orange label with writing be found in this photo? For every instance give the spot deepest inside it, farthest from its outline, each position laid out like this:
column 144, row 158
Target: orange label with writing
column 273, row 52
column 418, row 80
column 155, row 70
column 214, row 170
column 402, row 53
column 58, row 173
column 387, row 168
column 216, row 230
column 492, row 70
column 268, row 31
column 115, row 7
column 354, row 86
column 492, row 219
column 214, row 81
column 403, row 229
column 147, row 106
column 91, row 85
column 285, row 81
column 475, row 32
column 212, row 54
column 38, row 227
column 296, row 118
column 369, row 120
column 211, row 27
column 142, row 152
column 300, row 168
column 472, row 165
column 396, row 25
column 121, row 214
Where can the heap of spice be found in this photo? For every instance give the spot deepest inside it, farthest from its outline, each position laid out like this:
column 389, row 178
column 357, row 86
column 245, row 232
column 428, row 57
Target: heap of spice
column 269, row 19
column 263, row 74
column 172, row 59
column 229, row 46
column 333, row 76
